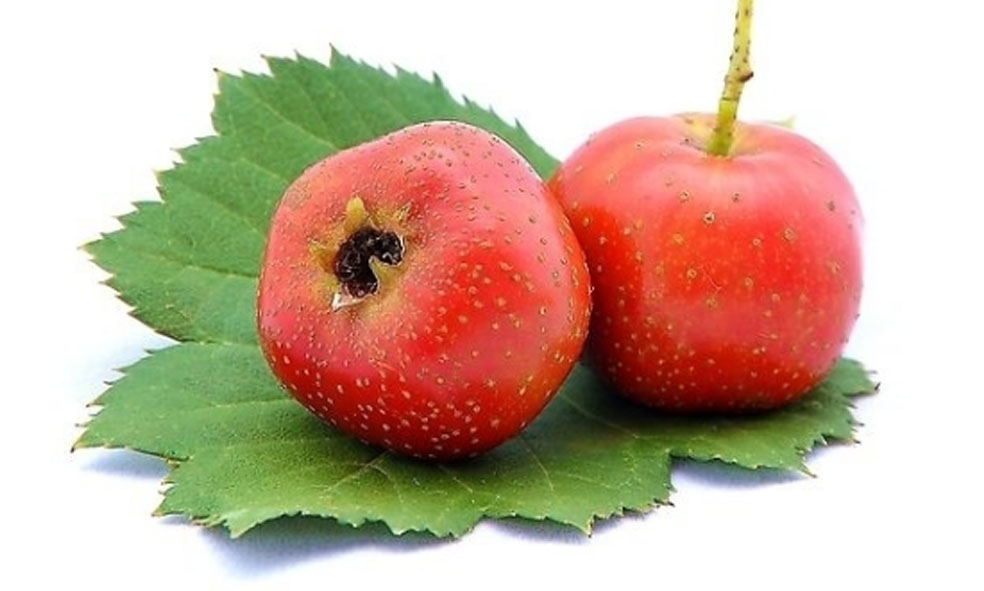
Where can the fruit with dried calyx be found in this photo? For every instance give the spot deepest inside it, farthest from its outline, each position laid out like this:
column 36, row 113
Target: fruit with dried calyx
column 423, row 292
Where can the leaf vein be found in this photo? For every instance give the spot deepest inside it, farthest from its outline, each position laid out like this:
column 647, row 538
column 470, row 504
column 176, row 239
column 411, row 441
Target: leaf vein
column 257, row 98
column 223, row 205
column 538, row 461
column 589, row 415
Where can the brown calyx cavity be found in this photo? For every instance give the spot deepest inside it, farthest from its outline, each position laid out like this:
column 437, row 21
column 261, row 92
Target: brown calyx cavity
column 362, row 263
column 352, row 261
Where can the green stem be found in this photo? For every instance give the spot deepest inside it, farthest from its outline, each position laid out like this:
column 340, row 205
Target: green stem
column 739, row 72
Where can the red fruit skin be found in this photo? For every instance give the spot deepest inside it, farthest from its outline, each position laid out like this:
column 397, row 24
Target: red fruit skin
column 720, row 283
column 469, row 337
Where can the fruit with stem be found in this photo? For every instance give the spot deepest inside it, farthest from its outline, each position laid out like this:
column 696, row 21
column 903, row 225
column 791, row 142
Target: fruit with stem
column 726, row 256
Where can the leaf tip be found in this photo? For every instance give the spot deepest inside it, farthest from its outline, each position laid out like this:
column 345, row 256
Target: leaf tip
column 83, row 442
column 90, row 246
column 805, row 471
column 237, row 531
column 336, row 55
column 787, row 122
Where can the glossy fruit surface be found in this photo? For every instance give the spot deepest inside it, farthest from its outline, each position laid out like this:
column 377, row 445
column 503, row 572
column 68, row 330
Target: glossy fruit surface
column 423, row 292
column 721, row 282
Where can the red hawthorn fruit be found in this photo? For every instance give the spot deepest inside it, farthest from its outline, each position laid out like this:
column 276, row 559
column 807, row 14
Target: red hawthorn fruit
column 423, row 292
column 726, row 276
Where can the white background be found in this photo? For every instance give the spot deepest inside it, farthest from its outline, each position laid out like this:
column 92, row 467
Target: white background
column 94, row 95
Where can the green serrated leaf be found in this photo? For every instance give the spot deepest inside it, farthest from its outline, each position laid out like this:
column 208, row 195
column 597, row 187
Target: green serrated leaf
column 249, row 454
column 243, row 452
